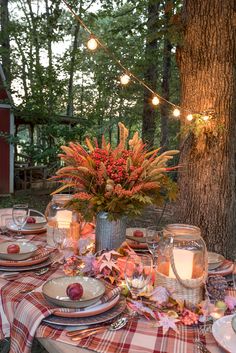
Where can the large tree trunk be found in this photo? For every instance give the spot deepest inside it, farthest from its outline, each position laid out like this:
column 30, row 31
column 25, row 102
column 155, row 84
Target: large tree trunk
column 165, row 86
column 207, row 67
column 150, row 75
column 5, row 40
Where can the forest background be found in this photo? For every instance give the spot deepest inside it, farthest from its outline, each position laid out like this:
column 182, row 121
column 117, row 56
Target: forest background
column 63, row 91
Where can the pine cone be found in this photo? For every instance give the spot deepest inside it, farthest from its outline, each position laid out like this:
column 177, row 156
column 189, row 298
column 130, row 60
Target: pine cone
column 216, row 287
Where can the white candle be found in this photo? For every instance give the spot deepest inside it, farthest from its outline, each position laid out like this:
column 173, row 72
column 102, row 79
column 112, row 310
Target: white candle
column 183, row 260
column 64, row 218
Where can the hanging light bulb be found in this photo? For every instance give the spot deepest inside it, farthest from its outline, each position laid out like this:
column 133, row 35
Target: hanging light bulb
column 124, row 79
column 92, row 44
column 189, row 117
column 205, row 117
column 155, row 100
column 176, row 112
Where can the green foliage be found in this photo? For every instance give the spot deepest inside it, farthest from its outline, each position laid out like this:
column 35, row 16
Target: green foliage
column 46, row 53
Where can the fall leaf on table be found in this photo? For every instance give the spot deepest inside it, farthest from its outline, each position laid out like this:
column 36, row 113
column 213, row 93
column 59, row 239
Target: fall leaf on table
column 167, row 322
column 141, row 309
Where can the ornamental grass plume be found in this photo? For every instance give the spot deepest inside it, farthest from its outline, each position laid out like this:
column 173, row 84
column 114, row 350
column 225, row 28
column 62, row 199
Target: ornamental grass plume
column 120, row 181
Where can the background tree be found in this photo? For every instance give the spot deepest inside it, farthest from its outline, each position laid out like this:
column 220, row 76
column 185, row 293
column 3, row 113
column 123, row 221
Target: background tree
column 5, row 39
column 208, row 80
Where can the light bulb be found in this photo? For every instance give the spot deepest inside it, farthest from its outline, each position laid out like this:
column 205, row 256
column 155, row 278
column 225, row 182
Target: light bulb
column 92, row 44
column 124, row 79
column 205, row 117
column 176, row 112
column 155, row 100
column 189, row 117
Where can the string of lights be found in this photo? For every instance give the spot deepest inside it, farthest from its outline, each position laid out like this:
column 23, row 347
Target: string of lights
column 94, row 42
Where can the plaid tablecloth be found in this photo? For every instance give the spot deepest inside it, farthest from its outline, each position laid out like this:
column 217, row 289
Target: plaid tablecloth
column 139, row 336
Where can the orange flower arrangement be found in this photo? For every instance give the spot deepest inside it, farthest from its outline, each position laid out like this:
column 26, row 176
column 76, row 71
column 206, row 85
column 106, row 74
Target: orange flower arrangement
column 119, row 181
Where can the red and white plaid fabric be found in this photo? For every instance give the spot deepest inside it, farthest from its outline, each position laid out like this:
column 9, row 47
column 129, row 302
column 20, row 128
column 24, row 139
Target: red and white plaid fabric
column 138, row 336
column 22, row 313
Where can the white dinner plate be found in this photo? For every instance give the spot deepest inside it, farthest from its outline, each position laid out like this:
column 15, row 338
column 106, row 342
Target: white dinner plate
column 224, row 334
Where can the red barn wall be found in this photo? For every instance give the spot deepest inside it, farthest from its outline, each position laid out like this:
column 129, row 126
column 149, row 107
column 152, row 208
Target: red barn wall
column 6, row 152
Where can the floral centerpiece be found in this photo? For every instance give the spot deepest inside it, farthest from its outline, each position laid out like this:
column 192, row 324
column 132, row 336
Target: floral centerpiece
column 119, row 181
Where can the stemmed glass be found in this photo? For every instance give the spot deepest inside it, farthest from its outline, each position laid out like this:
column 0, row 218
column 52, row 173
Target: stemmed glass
column 20, row 213
column 62, row 242
column 138, row 273
column 153, row 238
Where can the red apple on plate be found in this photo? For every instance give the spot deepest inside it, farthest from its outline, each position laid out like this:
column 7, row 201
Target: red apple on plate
column 74, row 291
column 13, row 249
column 31, row 220
column 138, row 233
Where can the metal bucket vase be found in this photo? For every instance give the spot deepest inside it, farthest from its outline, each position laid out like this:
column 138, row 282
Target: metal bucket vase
column 109, row 234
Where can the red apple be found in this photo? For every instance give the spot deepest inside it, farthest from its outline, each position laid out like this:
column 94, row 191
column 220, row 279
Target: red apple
column 13, row 249
column 74, row 291
column 31, row 220
column 138, row 233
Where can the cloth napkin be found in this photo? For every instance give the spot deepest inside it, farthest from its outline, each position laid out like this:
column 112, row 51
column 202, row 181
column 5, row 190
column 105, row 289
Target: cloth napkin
column 29, row 314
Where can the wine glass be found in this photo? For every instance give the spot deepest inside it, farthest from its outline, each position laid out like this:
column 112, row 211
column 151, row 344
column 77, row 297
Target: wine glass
column 20, row 213
column 138, row 273
column 62, row 241
column 153, row 238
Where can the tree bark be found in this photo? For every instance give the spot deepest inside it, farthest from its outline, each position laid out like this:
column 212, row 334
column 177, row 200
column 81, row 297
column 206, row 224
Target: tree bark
column 150, row 75
column 165, row 86
column 208, row 79
column 5, row 40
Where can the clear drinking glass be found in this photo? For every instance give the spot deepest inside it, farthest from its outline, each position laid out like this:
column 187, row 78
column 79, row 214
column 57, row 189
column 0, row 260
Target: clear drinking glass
column 5, row 221
column 153, row 238
column 62, row 241
column 20, row 212
column 138, row 273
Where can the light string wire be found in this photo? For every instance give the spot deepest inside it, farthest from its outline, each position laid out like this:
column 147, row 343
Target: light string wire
column 120, row 64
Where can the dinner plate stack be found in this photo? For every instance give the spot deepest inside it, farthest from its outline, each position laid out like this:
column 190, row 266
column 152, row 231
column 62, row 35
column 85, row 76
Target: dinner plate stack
column 28, row 257
column 218, row 265
column 96, row 305
column 136, row 239
column 39, row 226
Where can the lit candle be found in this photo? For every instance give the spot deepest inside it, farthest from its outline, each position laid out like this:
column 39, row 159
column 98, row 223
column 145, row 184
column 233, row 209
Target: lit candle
column 183, row 260
column 64, row 218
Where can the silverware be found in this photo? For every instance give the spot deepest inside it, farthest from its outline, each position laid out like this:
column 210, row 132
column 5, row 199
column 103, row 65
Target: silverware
column 42, row 271
column 201, row 348
column 79, row 334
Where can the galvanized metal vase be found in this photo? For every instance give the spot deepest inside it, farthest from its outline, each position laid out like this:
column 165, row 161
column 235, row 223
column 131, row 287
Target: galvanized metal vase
column 109, row 234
